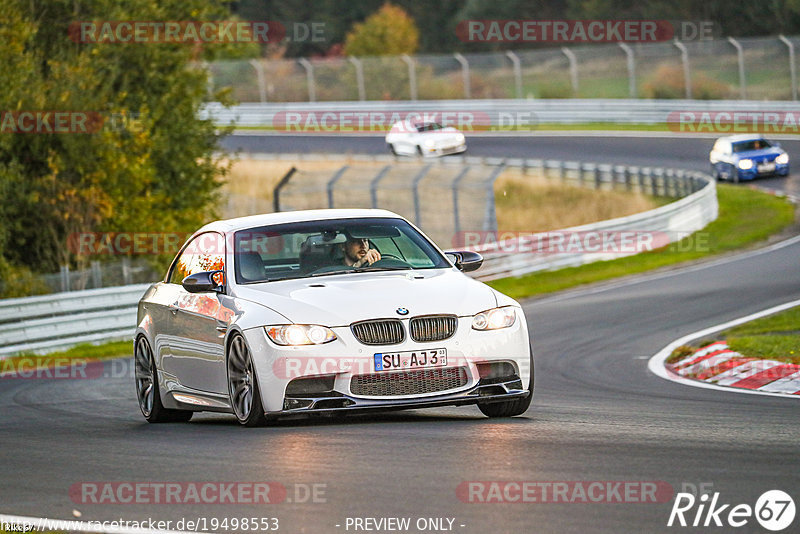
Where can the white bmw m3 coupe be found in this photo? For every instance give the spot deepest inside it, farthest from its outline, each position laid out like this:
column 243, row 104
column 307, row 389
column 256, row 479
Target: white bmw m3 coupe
column 323, row 312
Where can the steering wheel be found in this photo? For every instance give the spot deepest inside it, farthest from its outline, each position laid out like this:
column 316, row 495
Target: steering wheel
column 390, row 256
column 391, row 261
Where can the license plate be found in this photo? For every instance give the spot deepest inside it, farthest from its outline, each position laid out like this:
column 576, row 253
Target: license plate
column 412, row 359
column 766, row 167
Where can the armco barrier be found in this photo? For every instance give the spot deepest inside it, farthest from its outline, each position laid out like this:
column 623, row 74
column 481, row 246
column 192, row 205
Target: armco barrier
column 500, row 113
column 58, row 321
column 674, row 221
column 61, row 320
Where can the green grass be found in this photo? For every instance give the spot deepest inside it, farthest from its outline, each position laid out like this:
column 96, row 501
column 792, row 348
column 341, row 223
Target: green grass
column 784, row 322
column 745, row 218
column 103, row 351
column 768, row 347
column 776, row 337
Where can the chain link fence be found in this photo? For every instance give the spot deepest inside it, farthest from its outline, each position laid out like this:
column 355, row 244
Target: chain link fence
column 121, row 272
column 453, row 195
column 752, row 68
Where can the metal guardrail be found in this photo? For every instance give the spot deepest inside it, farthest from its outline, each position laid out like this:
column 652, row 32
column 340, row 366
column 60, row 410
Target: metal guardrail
column 54, row 322
column 498, row 115
column 672, row 223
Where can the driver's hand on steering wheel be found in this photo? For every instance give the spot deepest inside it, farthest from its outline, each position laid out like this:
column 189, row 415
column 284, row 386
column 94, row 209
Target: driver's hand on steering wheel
column 369, row 258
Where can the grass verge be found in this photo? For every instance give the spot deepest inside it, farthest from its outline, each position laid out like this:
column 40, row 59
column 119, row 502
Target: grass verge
column 745, row 217
column 776, row 337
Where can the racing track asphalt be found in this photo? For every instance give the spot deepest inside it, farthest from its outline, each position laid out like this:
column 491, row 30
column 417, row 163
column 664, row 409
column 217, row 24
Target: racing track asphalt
column 597, row 415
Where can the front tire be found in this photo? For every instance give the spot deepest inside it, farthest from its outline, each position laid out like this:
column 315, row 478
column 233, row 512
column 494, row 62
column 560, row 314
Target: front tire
column 510, row 408
column 243, row 387
column 715, row 172
column 147, row 391
column 734, row 174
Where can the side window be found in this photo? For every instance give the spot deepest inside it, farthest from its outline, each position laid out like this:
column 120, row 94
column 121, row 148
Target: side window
column 206, row 252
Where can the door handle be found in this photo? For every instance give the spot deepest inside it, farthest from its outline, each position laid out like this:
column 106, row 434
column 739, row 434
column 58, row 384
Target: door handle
column 174, row 310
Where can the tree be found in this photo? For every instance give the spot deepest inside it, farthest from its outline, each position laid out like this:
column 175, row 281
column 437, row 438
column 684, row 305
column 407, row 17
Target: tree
column 389, row 31
column 152, row 166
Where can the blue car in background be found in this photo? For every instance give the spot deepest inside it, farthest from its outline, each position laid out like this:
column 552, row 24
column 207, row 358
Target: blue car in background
column 745, row 157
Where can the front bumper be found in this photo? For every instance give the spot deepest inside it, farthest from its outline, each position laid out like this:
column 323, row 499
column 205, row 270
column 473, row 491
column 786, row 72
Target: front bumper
column 445, row 150
column 483, row 393
column 753, row 173
column 346, row 358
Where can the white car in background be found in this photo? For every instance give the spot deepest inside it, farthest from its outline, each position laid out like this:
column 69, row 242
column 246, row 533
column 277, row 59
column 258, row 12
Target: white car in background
column 424, row 138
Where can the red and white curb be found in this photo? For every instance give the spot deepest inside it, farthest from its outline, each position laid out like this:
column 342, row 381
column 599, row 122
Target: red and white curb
column 718, row 364
column 717, row 367
column 791, row 197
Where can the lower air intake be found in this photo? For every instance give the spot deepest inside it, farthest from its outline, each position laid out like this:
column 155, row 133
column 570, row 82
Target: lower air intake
column 408, row 382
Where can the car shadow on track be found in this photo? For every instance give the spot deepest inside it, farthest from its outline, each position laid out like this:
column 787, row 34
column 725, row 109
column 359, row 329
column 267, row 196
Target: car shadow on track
column 411, row 416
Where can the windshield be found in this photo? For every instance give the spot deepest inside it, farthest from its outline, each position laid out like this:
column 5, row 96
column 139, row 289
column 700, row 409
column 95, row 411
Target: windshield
column 320, row 248
column 428, row 127
column 754, row 144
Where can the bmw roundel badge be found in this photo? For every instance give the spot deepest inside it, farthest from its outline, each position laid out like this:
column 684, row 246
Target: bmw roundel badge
column 402, row 311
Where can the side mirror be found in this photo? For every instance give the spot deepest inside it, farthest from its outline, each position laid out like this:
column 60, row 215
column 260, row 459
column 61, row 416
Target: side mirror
column 201, row 282
column 465, row 260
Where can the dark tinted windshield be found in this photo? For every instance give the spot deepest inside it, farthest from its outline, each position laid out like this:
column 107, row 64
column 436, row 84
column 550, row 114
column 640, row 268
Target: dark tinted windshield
column 755, row 144
column 316, row 248
column 428, row 127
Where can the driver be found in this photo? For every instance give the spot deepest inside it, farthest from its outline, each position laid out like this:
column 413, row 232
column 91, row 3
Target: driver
column 357, row 253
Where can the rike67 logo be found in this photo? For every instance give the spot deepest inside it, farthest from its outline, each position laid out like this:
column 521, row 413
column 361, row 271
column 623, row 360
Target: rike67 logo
column 774, row 510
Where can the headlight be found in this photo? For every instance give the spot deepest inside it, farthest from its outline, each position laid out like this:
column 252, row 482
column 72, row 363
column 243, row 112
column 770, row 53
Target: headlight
column 783, row 159
column 460, row 138
column 300, row 334
column 430, row 143
column 495, row 318
column 745, row 164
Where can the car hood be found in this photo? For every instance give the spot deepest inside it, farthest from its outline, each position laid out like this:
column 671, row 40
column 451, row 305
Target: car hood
column 758, row 153
column 338, row 300
column 445, row 134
